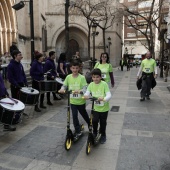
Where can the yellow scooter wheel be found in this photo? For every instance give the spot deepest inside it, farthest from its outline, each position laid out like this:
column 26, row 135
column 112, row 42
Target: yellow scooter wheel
column 82, row 127
column 68, row 143
column 88, row 147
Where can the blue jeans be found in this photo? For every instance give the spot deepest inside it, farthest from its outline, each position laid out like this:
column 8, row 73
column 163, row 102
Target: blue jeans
column 82, row 110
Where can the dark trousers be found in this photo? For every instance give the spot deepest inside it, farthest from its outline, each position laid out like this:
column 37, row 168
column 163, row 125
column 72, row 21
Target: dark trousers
column 121, row 67
column 15, row 90
column 128, row 67
column 48, row 93
column 35, row 85
column 146, row 84
column 82, row 110
column 102, row 118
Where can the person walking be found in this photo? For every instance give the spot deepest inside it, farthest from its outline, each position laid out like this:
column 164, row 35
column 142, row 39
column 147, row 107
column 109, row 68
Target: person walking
column 50, row 68
column 106, row 69
column 16, row 74
column 149, row 72
column 37, row 74
column 128, row 64
column 122, row 63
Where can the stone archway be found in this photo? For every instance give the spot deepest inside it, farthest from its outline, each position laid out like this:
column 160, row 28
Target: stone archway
column 78, row 41
column 8, row 30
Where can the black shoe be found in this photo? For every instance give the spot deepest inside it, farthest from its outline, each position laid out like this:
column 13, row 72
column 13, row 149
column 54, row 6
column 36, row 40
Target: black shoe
column 142, row 99
column 49, row 103
column 37, row 109
column 148, row 98
column 42, row 106
column 9, row 127
column 103, row 139
column 57, row 97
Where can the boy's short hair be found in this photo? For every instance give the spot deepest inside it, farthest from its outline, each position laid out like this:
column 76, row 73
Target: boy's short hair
column 15, row 53
column 51, row 53
column 96, row 71
column 74, row 63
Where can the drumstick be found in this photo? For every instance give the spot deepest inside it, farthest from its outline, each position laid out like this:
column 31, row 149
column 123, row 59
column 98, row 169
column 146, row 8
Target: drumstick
column 47, row 72
column 13, row 100
column 6, row 103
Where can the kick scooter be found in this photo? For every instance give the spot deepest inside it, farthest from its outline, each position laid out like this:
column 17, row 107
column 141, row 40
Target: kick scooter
column 69, row 136
column 92, row 140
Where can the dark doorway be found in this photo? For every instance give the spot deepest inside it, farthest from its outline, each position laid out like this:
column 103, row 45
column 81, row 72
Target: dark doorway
column 73, row 47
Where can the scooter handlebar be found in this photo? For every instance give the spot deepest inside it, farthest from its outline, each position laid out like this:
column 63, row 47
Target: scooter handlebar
column 92, row 98
column 70, row 92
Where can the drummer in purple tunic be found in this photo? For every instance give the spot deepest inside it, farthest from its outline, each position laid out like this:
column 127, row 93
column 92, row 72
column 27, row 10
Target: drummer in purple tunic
column 50, row 69
column 16, row 74
column 3, row 94
column 37, row 74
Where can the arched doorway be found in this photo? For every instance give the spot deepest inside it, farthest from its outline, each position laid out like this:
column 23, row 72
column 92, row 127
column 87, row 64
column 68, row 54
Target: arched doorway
column 8, row 30
column 73, row 47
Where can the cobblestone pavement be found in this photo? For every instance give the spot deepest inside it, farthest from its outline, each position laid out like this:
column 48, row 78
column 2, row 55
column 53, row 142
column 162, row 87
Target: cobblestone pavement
column 138, row 134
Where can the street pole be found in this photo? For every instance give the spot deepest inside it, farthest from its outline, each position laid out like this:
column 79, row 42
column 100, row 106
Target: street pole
column 162, row 59
column 67, row 26
column 109, row 41
column 94, row 34
column 32, row 30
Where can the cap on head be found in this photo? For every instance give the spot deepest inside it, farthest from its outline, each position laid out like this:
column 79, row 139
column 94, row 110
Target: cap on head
column 37, row 55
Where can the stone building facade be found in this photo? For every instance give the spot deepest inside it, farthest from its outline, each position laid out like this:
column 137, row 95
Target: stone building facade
column 49, row 30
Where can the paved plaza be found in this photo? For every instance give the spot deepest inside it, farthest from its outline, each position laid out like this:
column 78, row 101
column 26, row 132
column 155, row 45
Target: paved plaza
column 138, row 134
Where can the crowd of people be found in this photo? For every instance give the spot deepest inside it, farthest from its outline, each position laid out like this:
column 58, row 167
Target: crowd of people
column 102, row 80
column 74, row 80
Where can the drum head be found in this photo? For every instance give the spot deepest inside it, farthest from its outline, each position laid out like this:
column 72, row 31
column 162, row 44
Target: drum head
column 29, row 90
column 16, row 107
column 59, row 80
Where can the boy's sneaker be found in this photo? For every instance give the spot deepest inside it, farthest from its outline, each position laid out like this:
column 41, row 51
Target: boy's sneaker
column 103, row 139
column 79, row 133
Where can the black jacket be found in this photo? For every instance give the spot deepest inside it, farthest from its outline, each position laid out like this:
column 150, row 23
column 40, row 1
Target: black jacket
column 139, row 83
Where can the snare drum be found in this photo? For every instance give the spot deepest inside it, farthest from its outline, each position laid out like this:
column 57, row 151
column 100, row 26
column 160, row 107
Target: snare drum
column 10, row 114
column 48, row 86
column 59, row 80
column 29, row 96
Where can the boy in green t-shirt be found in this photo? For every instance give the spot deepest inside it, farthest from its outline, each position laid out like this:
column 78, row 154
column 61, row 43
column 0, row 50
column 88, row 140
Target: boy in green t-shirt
column 100, row 90
column 77, row 84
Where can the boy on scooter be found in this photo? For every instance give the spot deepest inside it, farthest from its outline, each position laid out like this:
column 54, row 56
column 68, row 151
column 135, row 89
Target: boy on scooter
column 100, row 90
column 76, row 83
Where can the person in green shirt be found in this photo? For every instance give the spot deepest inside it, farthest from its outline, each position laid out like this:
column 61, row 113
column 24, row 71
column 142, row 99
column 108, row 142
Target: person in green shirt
column 100, row 90
column 76, row 83
column 106, row 69
column 149, row 72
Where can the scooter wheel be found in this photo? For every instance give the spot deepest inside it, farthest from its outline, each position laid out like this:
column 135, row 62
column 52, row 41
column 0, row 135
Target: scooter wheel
column 68, row 143
column 88, row 147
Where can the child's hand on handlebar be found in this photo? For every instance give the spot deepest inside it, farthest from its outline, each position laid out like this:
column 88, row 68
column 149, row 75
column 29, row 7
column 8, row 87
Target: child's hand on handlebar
column 77, row 92
column 61, row 91
column 100, row 99
column 85, row 97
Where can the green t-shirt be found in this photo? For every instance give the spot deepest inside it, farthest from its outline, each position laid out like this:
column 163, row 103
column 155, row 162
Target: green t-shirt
column 148, row 65
column 75, row 84
column 99, row 90
column 105, row 69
